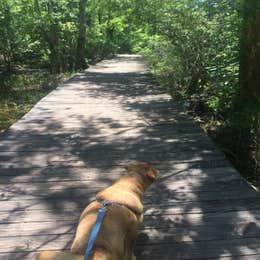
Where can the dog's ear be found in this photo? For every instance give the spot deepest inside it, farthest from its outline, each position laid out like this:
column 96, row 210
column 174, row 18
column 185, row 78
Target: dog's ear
column 152, row 175
column 127, row 167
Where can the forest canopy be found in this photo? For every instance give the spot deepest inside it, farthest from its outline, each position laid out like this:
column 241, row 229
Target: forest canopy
column 205, row 52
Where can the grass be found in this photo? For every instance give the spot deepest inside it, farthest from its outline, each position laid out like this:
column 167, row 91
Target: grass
column 20, row 91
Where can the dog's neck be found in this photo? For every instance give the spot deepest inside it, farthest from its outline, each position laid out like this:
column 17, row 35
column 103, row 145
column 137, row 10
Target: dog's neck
column 132, row 185
column 142, row 180
column 139, row 185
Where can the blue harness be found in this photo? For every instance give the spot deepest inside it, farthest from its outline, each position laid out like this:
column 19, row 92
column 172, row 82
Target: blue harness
column 94, row 232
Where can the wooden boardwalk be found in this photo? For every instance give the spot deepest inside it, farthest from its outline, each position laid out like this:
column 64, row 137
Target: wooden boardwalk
column 73, row 143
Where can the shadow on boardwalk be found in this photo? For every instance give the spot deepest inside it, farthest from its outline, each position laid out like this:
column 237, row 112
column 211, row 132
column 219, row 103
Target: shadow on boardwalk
column 56, row 158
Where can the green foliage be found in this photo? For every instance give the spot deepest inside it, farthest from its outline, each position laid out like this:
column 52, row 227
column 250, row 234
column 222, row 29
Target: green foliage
column 8, row 29
column 205, row 52
column 20, row 91
column 196, row 53
column 45, row 33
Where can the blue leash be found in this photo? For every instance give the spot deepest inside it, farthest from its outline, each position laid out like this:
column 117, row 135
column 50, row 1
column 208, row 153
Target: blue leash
column 95, row 230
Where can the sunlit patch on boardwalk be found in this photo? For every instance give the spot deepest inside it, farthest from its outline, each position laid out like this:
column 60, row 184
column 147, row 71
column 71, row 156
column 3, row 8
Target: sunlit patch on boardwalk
column 75, row 141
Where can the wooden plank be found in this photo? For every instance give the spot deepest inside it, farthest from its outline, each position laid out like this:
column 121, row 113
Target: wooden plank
column 103, row 149
column 168, row 196
column 101, row 117
column 80, row 159
column 178, row 186
column 165, row 169
column 78, row 193
column 103, row 101
column 33, row 255
column 178, row 250
column 150, row 109
column 206, row 161
column 211, row 206
column 84, row 118
column 99, row 123
column 69, row 146
column 68, row 143
column 140, row 123
column 172, row 128
column 135, row 108
column 93, row 124
column 99, row 146
column 155, row 235
column 201, row 250
column 53, row 213
column 52, row 174
column 86, row 135
column 182, row 233
column 99, row 132
column 56, row 212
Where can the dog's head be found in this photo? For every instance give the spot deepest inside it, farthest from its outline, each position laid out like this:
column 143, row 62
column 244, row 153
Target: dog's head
column 146, row 171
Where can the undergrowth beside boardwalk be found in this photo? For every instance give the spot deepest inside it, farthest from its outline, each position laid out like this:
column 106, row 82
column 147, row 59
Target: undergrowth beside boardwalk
column 20, row 90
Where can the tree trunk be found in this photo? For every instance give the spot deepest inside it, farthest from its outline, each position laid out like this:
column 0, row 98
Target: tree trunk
column 81, row 46
column 55, row 57
column 258, row 140
column 53, row 42
column 37, row 7
column 109, row 27
column 250, row 50
column 249, row 96
column 50, row 34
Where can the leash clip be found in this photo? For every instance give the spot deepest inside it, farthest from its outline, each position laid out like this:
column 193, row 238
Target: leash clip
column 106, row 203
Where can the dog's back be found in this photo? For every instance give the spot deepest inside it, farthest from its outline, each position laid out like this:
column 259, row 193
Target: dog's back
column 58, row 255
column 119, row 228
column 98, row 254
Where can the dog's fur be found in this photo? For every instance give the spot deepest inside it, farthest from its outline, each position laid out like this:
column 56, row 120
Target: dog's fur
column 116, row 238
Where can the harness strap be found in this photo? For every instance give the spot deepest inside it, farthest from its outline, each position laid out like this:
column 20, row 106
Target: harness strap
column 110, row 203
column 94, row 231
column 101, row 214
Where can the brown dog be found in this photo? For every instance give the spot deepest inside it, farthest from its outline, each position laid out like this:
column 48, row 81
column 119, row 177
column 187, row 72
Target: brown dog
column 116, row 238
